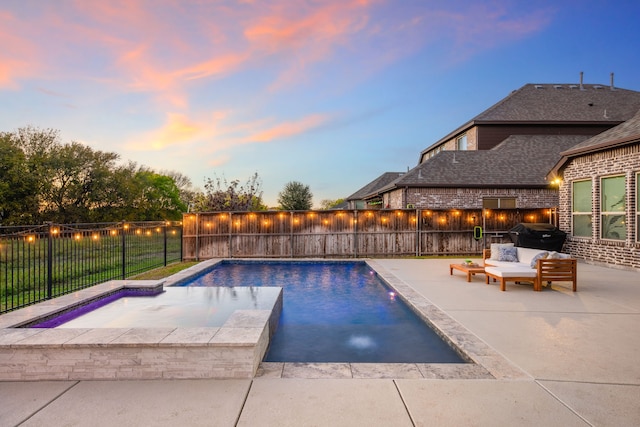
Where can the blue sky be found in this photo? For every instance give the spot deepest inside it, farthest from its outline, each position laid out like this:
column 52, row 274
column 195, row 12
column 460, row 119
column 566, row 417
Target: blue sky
column 331, row 93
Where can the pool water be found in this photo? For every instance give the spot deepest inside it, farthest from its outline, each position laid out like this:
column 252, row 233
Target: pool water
column 174, row 307
column 335, row 312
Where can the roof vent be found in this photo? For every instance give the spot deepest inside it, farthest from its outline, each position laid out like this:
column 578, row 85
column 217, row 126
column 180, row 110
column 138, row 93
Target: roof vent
column 611, row 84
column 557, row 86
column 597, row 87
column 573, row 86
column 539, row 86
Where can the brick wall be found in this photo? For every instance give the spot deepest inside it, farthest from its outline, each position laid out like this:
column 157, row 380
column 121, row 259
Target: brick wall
column 472, row 140
column 451, row 144
column 470, row 198
column 619, row 161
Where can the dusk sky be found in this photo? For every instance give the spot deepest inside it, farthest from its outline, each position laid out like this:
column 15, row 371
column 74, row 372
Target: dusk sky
column 331, row 93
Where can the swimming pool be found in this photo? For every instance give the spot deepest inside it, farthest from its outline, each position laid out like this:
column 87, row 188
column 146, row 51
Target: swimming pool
column 334, row 312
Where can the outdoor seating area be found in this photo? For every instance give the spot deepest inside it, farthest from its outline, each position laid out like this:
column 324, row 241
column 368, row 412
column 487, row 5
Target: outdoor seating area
column 507, row 263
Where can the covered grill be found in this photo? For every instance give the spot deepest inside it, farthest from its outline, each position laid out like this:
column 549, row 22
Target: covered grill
column 538, row 236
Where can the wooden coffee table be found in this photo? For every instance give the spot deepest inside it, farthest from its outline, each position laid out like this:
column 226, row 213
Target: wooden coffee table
column 470, row 269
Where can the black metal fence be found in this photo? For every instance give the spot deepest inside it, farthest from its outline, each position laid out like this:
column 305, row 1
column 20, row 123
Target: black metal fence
column 42, row 262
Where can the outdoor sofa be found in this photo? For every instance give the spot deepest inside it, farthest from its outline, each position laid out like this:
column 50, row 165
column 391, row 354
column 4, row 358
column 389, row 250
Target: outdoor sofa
column 507, row 263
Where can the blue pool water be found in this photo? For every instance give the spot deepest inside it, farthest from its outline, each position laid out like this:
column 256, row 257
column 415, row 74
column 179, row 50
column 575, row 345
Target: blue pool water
column 335, row 312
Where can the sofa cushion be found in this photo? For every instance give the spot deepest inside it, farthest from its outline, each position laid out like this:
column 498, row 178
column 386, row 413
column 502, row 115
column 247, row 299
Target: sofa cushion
column 525, row 255
column 508, row 254
column 495, row 249
column 539, row 255
column 503, row 264
column 557, row 255
column 519, row 271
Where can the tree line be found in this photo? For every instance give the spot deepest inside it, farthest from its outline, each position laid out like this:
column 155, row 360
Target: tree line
column 44, row 179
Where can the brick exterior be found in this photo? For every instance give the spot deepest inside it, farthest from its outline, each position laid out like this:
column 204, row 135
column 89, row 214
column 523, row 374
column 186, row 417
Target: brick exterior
column 618, row 161
column 469, row 198
column 451, row 144
column 472, row 140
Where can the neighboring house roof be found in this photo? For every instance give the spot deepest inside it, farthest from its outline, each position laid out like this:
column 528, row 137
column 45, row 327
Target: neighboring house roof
column 557, row 103
column 341, row 205
column 623, row 134
column 375, row 185
column 520, row 161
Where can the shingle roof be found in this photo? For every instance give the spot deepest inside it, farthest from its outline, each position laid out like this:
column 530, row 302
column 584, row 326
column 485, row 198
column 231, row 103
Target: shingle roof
column 625, row 133
column 375, row 185
column 564, row 103
column 557, row 103
column 520, row 161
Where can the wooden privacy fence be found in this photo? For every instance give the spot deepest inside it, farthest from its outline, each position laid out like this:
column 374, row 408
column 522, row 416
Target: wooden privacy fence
column 347, row 233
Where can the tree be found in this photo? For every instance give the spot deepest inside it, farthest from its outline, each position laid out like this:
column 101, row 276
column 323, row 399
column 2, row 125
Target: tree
column 17, row 187
column 221, row 195
column 188, row 195
column 295, row 196
column 158, row 197
column 330, row 204
column 43, row 179
column 78, row 178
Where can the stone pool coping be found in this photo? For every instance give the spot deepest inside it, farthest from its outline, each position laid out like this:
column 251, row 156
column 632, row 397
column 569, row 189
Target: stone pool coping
column 234, row 350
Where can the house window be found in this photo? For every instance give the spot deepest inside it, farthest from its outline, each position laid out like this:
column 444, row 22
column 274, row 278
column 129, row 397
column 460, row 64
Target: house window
column 499, row 203
column 581, row 209
column 613, row 208
column 461, row 142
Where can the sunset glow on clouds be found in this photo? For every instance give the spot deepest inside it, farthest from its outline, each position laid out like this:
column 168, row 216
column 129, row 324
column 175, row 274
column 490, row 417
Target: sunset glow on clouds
column 287, row 88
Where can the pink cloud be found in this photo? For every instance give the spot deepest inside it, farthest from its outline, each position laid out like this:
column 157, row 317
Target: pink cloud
column 18, row 58
column 287, row 129
column 305, row 35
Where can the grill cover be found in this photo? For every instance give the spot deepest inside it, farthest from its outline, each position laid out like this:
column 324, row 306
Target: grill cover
column 538, row 236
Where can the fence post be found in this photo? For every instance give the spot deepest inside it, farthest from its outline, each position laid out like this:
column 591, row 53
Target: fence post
column 181, row 241
column 50, row 261
column 124, row 245
column 164, row 229
column 418, row 237
column 355, row 233
column 197, row 219
column 230, row 241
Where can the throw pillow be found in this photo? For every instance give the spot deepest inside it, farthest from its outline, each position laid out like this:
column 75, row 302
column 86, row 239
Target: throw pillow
column 495, row 249
column 508, row 254
column 539, row 255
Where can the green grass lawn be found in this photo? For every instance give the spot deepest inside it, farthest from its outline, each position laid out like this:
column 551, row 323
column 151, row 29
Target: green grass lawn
column 162, row 272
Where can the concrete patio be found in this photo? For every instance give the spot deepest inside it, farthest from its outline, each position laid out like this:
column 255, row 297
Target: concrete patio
column 580, row 351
